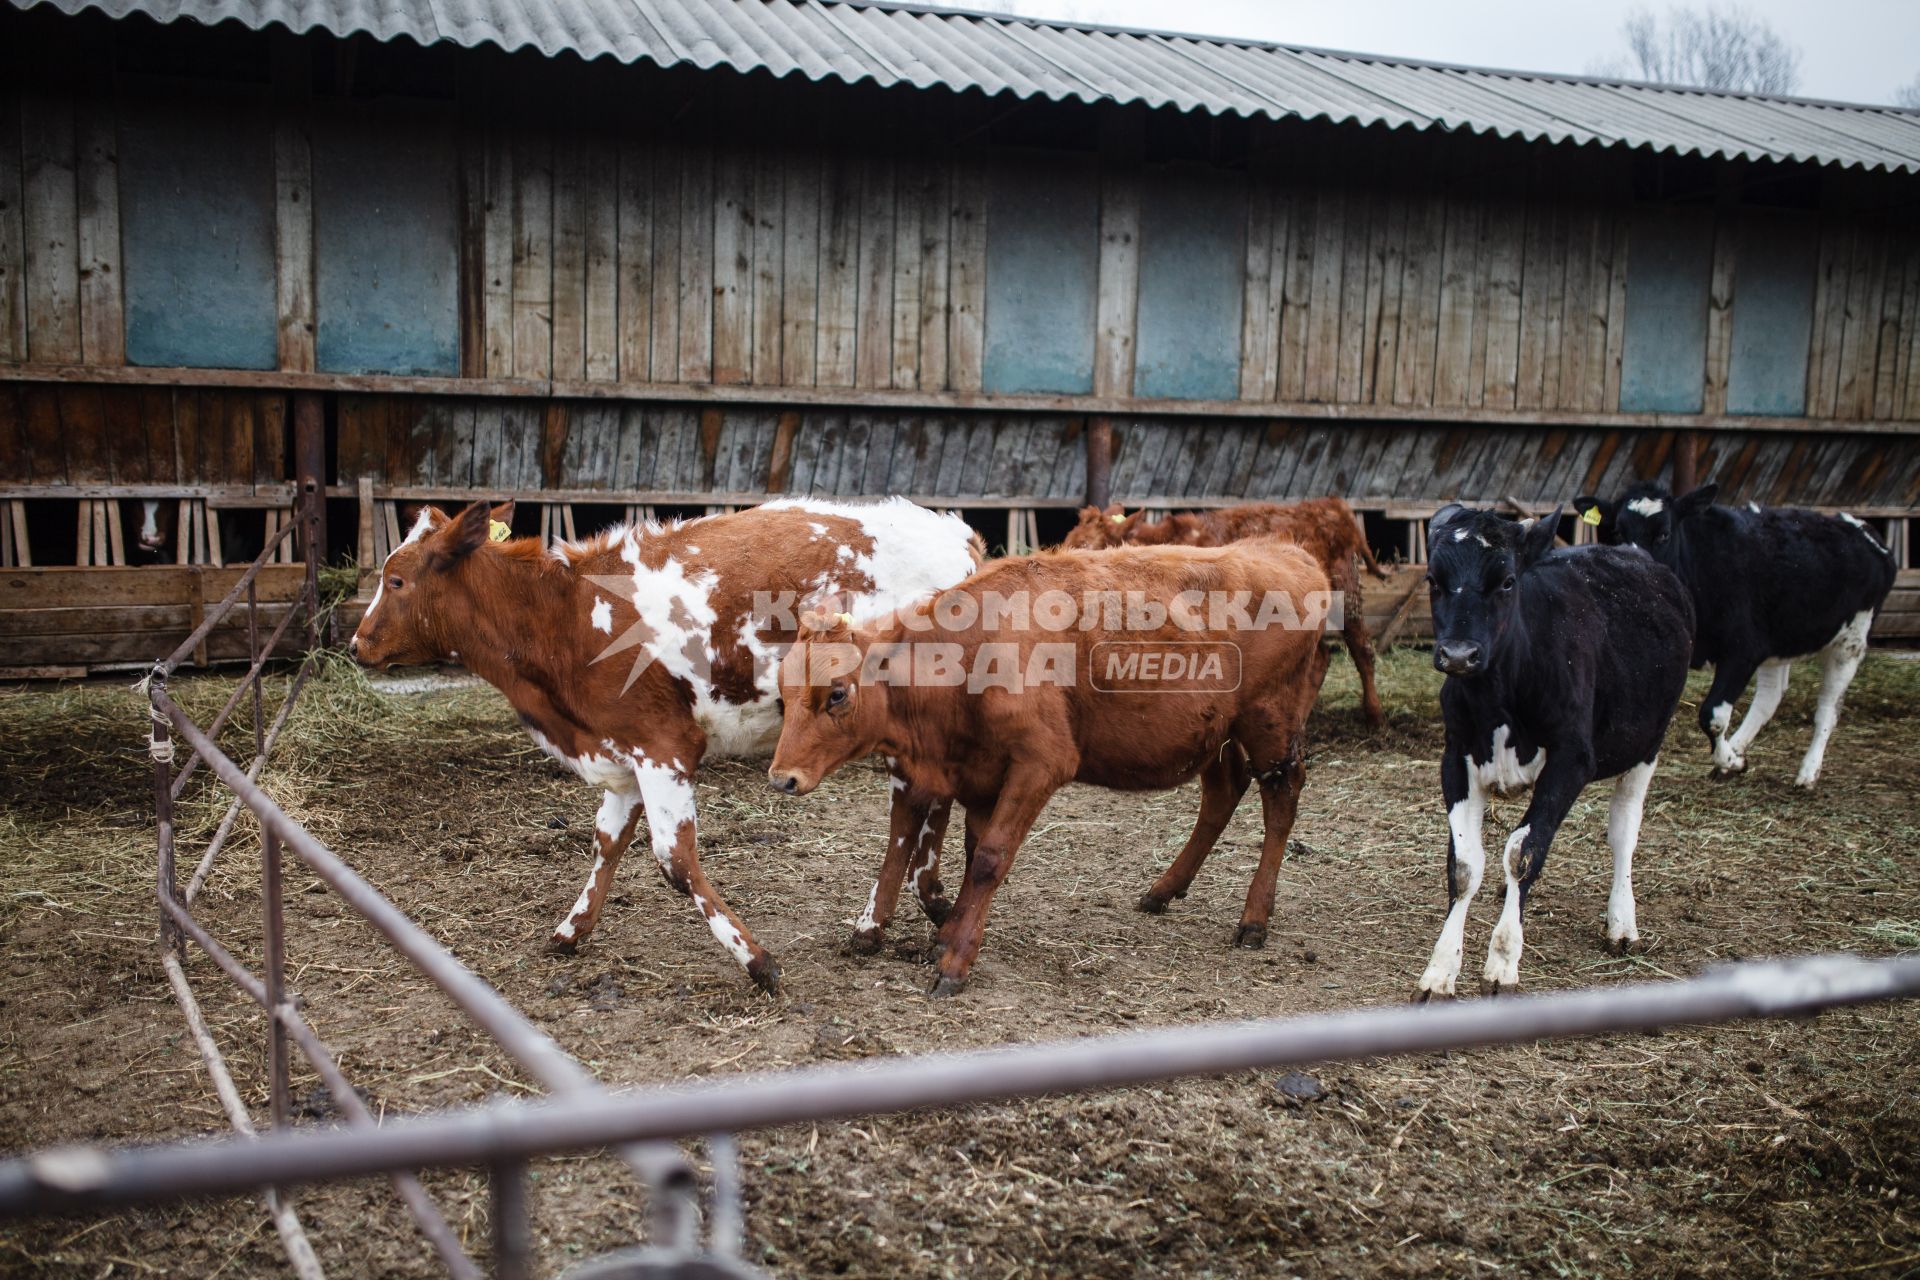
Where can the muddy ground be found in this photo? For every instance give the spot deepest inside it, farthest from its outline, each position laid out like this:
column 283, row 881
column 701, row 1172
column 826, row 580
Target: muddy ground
column 1765, row 1149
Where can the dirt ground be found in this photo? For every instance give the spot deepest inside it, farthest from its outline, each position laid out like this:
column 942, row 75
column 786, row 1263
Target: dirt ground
column 1764, row 1149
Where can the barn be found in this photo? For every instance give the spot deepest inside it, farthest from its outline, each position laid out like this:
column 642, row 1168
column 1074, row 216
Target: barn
column 687, row 254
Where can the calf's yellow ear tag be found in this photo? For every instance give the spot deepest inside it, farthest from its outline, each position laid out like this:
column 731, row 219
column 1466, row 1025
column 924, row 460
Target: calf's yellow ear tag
column 1591, row 516
column 1118, row 519
column 844, row 619
column 498, row 531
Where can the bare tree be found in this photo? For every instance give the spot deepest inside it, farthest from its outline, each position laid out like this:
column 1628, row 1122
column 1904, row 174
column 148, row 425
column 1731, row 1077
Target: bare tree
column 1908, row 95
column 1712, row 46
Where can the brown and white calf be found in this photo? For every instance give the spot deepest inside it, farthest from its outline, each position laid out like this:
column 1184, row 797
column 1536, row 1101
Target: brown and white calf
column 635, row 654
column 1326, row 527
column 1057, row 668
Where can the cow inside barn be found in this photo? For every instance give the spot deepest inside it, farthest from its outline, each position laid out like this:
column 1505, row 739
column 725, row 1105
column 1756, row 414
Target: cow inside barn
column 990, row 695
column 1563, row 667
column 1768, row 586
column 1326, row 527
column 634, row 654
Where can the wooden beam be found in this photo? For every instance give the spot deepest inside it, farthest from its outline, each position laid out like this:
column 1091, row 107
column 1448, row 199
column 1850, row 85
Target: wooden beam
column 293, row 201
column 1099, row 460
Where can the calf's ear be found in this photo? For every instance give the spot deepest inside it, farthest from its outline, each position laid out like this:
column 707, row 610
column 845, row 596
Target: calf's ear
column 1588, row 502
column 1443, row 517
column 1696, row 502
column 465, row 534
column 1538, row 538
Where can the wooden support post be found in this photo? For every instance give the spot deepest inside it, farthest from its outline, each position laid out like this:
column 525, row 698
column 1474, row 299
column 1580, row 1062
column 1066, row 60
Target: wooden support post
column 18, row 550
column 1099, row 435
column 310, row 471
column 366, row 558
column 116, row 537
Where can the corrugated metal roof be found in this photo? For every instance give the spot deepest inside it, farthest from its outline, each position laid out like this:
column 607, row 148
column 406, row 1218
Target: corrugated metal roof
column 893, row 44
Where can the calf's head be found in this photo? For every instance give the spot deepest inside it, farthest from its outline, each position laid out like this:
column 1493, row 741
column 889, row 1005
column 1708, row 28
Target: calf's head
column 1099, row 529
column 1476, row 560
column 828, row 715
column 424, row 599
column 1649, row 516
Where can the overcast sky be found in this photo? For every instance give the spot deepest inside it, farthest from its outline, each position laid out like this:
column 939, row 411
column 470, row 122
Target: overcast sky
column 1852, row 50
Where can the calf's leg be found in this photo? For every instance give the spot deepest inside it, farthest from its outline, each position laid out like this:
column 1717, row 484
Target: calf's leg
column 1838, row 662
column 1623, row 835
column 1525, row 855
column 1716, row 714
column 1222, row 783
column 1360, row 647
column 1768, row 686
column 612, row 833
column 673, row 821
column 1280, row 783
column 913, row 841
column 1466, row 864
column 1022, row 797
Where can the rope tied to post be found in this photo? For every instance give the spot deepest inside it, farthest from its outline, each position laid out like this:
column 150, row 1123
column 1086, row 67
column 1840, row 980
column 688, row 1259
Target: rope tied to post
column 158, row 748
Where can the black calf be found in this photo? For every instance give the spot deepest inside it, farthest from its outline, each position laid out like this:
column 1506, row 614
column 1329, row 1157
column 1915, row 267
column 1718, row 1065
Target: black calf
column 1768, row 585
column 1562, row 667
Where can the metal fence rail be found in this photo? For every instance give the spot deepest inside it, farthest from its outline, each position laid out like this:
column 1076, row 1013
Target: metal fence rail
column 661, row 1167
column 91, row 1177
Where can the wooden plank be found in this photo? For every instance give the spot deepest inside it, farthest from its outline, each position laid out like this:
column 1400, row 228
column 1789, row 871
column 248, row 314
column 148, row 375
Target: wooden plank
column 293, row 203
column 1459, row 255
column 668, row 165
column 1420, row 304
column 13, row 241
column 71, row 587
column 838, row 301
column 602, row 195
column 1594, row 382
column 1859, row 335
column 47, row 152
column 497, row 289
column 532, row 273
column 1356, row 332
column 1895, row 314
column 270, row 440
column 732, row 290
column 800, row 267
column 471, row 202
column 769, row 267
column 103, row 334
column 569, row 205
column 873, row 341
column 1616, row 313
column 1118, row 288
column 1506, row 245
column 1323, row 328
column 1720, row 315
column 1829, row 318
column 82, row 430
column 1576, row 305
column 696, row 264
column 1553, row 352
column 634, row 253
column 1393, row 270
column 1380, row 225
column 1259, row 331
column 966, row 336
column 123, row 436
column 935, row 256
column 910, row 180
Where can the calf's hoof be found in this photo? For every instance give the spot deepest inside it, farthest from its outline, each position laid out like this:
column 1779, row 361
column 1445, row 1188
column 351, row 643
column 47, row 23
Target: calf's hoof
column 938, row 907
column 765, row 972
column 1152, row 904
column 561, row 944
column 944, row 986
column 1625, row 946
column 1726, row 772
column 865, row 942
column 1251, row 936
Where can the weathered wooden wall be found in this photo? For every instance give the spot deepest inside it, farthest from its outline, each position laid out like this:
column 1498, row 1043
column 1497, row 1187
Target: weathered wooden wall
column 178, row 439
column 451, row 219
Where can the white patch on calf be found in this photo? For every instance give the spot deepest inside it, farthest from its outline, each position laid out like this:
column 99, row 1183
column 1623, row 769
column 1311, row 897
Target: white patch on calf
column 421, row 524
column 602, row 615
column 1503, row 774
column 915, row 551
column 1866, row 531
column 1647, row 506
column 670, row 806
column 865, row 922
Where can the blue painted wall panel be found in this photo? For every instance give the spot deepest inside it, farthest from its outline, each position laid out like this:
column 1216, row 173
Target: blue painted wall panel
column 1192, row 262
column 1773, row 285
column 1663, row 368
column 1043, row 250
column 196, row 211
column 386, row 245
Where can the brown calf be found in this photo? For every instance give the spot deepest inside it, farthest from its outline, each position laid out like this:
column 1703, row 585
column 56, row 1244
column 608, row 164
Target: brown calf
column 1326, row 527
column 971, row 700
column 634, row 654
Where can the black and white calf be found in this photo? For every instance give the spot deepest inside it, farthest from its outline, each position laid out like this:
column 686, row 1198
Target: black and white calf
column 1768, row 586
column 1562, row 667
